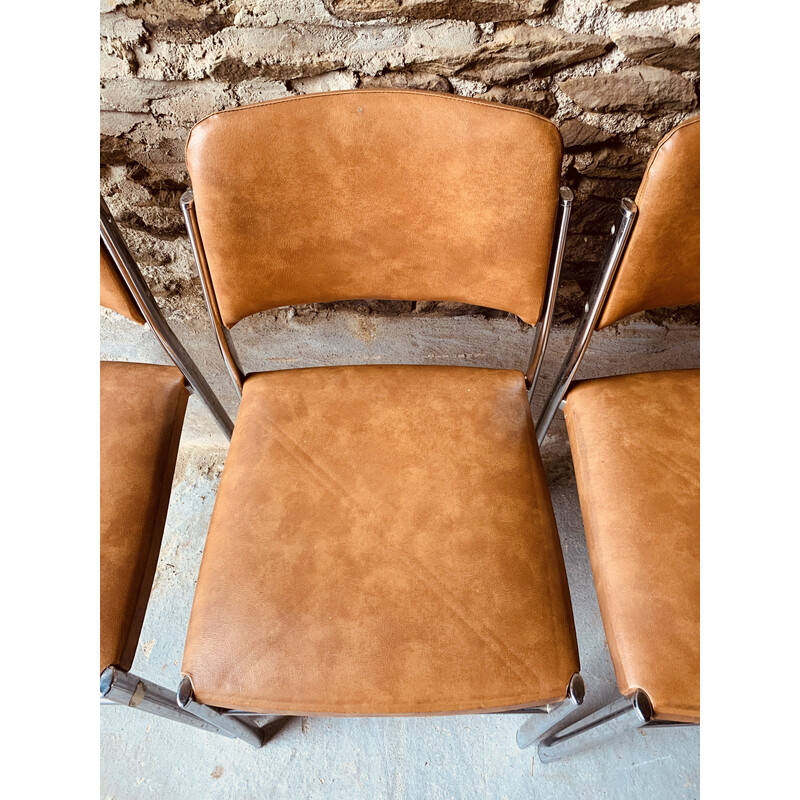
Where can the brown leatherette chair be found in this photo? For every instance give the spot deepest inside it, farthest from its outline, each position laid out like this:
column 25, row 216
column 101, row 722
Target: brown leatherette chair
column 383, row 540
column 635, row 443
column 142, row 408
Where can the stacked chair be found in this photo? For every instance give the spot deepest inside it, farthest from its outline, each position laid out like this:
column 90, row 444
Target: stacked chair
column 383, row 540
column 635, row 443
column 142, row 407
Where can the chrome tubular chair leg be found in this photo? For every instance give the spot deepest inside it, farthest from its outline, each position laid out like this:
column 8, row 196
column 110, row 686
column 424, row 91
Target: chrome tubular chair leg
column 543, row 328
column 115, row 243
column 235, row 727
column 624, row 714
column 613, row 254
column 540, row 723
column 270, row 724
column 225, row 347
column 118, row 687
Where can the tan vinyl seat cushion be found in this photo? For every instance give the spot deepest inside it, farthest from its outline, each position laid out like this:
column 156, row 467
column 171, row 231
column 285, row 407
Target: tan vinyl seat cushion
column 636, row 447
column 141, row 415
column 114, row 293
column 382, row 542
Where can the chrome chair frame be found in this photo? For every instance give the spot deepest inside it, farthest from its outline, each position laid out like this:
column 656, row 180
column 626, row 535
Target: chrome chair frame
column 543, row 718
column 117, row 686
column 615, row 249
column 126, row 265
column 626, row 713
column 634, row 710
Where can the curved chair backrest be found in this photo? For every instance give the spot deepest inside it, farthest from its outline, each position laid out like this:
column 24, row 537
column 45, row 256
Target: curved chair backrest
column 661, row 264
column 652, row 260
column 114, row 293
column 384, row 194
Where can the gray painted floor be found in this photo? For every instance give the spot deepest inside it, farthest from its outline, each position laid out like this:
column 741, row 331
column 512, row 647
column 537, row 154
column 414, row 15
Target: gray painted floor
column 433, row 757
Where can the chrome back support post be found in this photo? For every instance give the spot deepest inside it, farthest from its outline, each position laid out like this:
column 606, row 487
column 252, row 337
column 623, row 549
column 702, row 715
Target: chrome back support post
column 225, row 345
column 539, row 724
column 624, row 714
column 118, row 249
column 557, row 259
column 613, row 255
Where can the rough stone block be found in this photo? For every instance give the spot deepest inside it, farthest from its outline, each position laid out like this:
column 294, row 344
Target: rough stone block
column 110, row 5
column 684, row 55
column 639, row 43
column 611, row 163
column 406, row 80
column 289, row 52
column 525, row 51
column 613, row 189
column 448, row 44
column 642, row 88
column 115, row 123
column 118, row 26
column 327, row 82
column 259, row 90
column 577, row 134
column 595, row 215
column 193, row 102
column 183, row 101
column 540, row 101
column 282, row 52
column 644, row 5
column 474, row 10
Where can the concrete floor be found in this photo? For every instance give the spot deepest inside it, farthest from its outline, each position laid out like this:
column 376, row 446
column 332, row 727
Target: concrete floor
column 433, row 757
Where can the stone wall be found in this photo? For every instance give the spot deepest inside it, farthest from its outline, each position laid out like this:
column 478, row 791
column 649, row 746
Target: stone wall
column 614, row 74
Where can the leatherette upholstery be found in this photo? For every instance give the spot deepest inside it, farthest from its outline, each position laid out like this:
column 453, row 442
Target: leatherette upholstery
column 382, row 542
column 635, row 443
column 141, row 414
column 385, row 194
column 661, row 265
column 114, row 294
